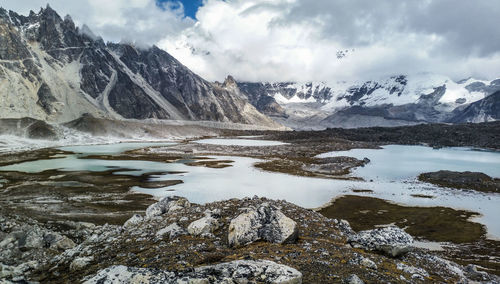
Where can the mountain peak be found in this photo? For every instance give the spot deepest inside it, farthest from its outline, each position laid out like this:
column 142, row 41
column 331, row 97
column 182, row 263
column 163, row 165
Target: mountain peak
column 229, row 82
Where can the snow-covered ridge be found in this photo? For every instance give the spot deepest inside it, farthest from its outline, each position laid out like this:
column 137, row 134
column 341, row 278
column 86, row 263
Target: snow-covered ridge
column 403, row 99
column 395, row 90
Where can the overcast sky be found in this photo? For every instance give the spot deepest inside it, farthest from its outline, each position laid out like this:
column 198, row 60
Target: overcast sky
column 298, row 40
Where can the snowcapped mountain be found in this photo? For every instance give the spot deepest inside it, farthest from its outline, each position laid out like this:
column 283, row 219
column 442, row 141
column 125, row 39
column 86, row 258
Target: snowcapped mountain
column 487, row 109
column 397, row 100
column 53, row 71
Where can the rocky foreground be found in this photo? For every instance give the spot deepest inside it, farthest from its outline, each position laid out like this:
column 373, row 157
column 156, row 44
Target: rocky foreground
column 235, row 241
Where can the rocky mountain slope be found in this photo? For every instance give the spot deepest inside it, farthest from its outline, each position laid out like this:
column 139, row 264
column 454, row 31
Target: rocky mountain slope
column 53, row 71
column 487, row 109
column 393, row 101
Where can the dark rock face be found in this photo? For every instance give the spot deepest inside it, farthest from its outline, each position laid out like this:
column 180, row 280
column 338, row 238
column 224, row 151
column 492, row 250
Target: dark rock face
column 11, row 45
column 45, row 98
column 487, row 109
column 116, row 80
column 130, row 101
column 482, row 87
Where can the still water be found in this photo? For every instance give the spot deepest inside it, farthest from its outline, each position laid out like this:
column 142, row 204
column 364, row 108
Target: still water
column 393, row 172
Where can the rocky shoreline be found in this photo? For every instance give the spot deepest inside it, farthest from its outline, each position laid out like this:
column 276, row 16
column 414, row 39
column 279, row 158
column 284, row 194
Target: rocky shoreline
column 257, row 239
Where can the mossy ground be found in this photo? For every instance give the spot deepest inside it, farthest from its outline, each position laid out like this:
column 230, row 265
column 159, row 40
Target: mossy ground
column 321, row 252
column 438, row 224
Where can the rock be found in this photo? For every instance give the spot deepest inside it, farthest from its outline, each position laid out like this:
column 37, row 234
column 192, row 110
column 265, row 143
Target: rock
column 123, row 274
column 250, row 270
column 266, row 223
column 172, row 230
column 241, row 271
column 392, row 240
column 31, row 239
column 368, row 263
column 64, row 243
column 5, row 271
column 353, row 279
column 204, row 226
column 475, row 274
column 344, row 227
column 57, row 241
column 133, row 221
column 412, row 270
column 80, row 262
column 166, row 205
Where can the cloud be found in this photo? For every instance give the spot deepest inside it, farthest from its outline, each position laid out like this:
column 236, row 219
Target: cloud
column 300, row 40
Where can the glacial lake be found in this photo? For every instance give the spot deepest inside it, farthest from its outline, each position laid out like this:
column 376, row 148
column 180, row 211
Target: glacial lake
column 393, row 170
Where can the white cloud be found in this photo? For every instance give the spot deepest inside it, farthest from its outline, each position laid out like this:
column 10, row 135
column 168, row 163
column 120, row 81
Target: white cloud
column 298, row 40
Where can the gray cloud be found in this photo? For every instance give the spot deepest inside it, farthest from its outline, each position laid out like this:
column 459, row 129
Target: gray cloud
column 467, row 27
column 301, row 37
column 298, row 40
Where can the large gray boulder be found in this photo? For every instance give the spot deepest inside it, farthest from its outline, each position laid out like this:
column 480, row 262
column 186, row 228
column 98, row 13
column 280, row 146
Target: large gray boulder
column 239, row 271
column 391, row 240
column 265, row 223
column 204, row 226
column 171, row 231
column 166, row 205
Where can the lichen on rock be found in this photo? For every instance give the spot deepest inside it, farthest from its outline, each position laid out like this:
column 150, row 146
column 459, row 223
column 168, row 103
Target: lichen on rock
column 264, row 223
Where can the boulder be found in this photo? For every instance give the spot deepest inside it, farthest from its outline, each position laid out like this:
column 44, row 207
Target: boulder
column 123, row 274
column 80, row 262
column 63, row 243
column 368, row 263
column 133, row 221
column 353, row 279
column 415, row 272
column 204, row 226
column 265, row 223
column 391, row 240
column 172, row 230
column 31, row 239
column 241, row 271
column 58, row 242
column 166, row 205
